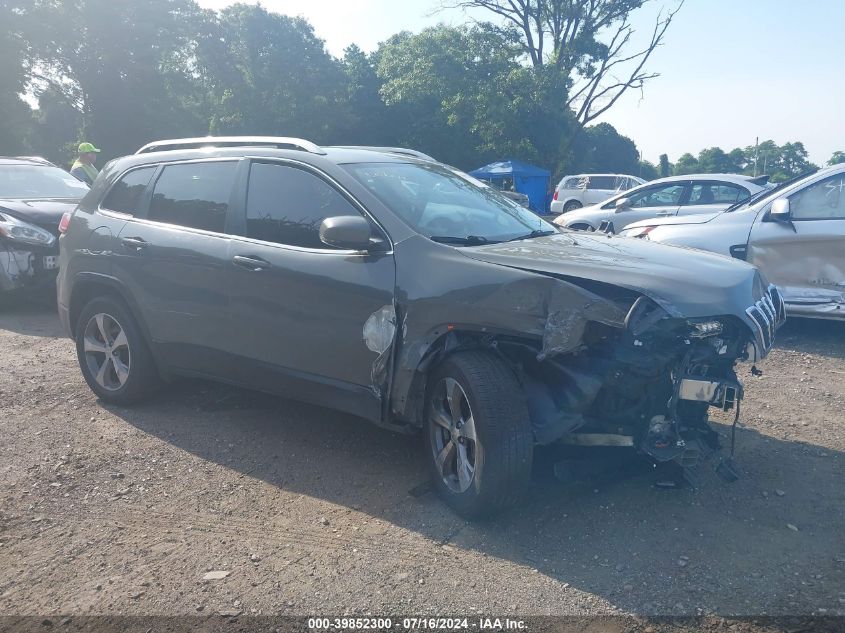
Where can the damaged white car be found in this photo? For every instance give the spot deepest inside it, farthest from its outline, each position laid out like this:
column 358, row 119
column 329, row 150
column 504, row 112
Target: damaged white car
column 794, row 233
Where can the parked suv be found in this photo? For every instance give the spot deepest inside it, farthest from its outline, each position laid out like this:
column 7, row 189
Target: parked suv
column 399, row 290
column 574, row 192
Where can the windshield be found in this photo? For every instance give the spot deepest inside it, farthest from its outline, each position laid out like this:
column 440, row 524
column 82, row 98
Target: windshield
column 765, row 193
column 39, row 181
column 446, row 205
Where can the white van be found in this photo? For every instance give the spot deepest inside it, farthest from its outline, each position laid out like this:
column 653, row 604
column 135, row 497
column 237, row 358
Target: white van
column 583, row 190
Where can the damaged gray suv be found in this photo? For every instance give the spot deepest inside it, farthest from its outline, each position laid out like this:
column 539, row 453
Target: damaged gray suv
column 407, row 293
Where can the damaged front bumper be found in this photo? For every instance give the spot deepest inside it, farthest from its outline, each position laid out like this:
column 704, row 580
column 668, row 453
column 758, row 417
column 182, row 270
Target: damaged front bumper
column 27, row 266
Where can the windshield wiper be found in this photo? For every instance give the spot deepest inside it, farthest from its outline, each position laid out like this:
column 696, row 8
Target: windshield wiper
column 534, row 233
column 469, row 240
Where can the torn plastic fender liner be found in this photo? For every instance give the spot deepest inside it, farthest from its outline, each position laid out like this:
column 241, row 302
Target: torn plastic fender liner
column 379, row 336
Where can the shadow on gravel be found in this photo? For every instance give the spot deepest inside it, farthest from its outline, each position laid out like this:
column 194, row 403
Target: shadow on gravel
column 727, row 548
column 813, row 336
column 29, row 316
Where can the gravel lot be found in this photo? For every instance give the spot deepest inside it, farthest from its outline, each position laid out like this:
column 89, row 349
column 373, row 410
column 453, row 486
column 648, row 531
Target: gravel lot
column 107, row 510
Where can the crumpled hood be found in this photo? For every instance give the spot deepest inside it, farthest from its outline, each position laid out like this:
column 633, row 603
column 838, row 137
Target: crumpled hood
column 686, row 282
column 46, row 213
column 699, row 218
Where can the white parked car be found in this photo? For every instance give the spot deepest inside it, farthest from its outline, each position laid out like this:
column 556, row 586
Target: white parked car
column 794, row 233
column 693, row 194
column 574, row 192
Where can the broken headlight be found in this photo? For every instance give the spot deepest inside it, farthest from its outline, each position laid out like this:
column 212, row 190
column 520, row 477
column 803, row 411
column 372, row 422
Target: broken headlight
column 705, row 329
column 19, row 231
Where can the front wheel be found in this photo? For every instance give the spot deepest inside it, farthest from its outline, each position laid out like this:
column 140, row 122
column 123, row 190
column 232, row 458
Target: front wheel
column 478, row 435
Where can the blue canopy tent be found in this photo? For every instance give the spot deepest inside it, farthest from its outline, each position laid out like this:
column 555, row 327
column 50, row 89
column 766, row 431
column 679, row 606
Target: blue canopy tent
column 528, row 179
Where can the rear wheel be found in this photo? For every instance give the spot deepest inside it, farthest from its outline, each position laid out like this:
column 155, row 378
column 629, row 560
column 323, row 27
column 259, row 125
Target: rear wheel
column 478, row 435
column 114, row 358
column 571, row 206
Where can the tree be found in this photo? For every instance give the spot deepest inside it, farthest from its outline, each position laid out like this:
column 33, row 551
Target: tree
column 647, row 170
column 369, row 121
column 464, row 97
column 837, row 158
column 603, row 149
column 665, row 167
column 686, row 164
column 127, row 67
column 14, row 111
column 586, row 42
column 273, row 76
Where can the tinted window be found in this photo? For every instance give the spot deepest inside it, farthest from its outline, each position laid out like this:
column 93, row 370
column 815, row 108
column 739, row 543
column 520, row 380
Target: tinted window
column 570, row 183
column 195, row 195
column 602, row 182
column 658, row 196
column 286, row 205
column 824, row 200
column 125, row 195
column 717, row 193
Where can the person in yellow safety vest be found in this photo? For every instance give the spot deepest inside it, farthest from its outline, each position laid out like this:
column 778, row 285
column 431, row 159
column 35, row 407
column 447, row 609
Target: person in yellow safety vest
column 83, row 167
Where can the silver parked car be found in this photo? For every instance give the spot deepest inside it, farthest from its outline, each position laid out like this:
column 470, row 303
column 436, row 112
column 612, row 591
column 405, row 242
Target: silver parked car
column 794, row 233
column 672, row 196
column 574, row 192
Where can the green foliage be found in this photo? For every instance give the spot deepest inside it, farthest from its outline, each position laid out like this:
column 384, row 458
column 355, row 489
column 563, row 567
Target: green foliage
column 665, row 168
column 686, row 164
column 602, row 149
column 14, row 112
column 837, row 158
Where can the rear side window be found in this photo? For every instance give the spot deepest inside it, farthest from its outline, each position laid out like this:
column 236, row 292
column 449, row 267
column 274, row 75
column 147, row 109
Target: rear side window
column 602, row 182
column 286, row 205
column 195, row 195
column 717, row 193
column 125, row 196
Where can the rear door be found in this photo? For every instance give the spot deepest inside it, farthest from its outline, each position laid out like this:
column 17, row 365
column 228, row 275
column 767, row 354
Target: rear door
column 712, row 196
column 300, row 306
column 806, row 258
column 599, row 189
column 649, row 202
column 175, row 261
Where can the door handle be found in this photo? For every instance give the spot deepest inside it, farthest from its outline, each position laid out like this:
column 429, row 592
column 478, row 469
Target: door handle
column 134, row 243
column 255, row 264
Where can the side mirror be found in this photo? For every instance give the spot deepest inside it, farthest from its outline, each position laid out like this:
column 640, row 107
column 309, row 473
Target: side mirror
column 348, row 232
column 780, row 211
column 622, row 204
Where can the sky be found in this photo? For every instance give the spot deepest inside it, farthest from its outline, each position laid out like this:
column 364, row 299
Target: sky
column 730, row 70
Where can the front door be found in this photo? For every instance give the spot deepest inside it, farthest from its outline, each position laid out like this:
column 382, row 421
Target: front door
column 712, row 196
column 299, row 307
column 648, row 202
column 175, row 261
column 806, row 258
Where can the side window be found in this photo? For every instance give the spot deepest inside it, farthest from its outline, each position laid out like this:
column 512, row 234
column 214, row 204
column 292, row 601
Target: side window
column 659, row 196
column 125, row 196
column 716, row 193
column 195, row 195
column 824, row 200
column 602, row 182
column 286, row 205
column 569, row 183
column 623, row 183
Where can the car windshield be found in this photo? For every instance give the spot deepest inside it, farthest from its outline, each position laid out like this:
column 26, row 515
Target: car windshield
column 39, row 181
column 765, row 193
column 448, row 206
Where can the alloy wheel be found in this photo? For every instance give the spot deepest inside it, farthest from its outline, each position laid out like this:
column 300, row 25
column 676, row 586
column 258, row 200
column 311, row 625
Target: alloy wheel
column 107, row 352
column 454, row 442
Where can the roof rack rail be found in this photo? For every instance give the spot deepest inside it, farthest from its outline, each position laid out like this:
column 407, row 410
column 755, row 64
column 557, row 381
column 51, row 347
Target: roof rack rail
column 401, row 151
column 278, row 142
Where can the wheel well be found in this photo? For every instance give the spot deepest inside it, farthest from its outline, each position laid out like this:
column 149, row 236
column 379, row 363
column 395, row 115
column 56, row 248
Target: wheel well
column 442, row 348
column 85, row 291
column 580, row 226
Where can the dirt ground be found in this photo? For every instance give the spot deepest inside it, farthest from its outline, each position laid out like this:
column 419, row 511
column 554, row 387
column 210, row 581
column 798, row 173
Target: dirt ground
column 107, row 510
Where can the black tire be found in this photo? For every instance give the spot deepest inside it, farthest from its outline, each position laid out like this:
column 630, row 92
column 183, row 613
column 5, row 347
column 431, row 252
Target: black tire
column 571, row 206
column 142, row 377
column 504, row 446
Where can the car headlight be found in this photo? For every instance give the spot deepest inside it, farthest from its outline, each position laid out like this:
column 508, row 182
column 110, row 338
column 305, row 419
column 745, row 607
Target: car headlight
column 19, row 231
column 704, row 329
column 640, row 231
